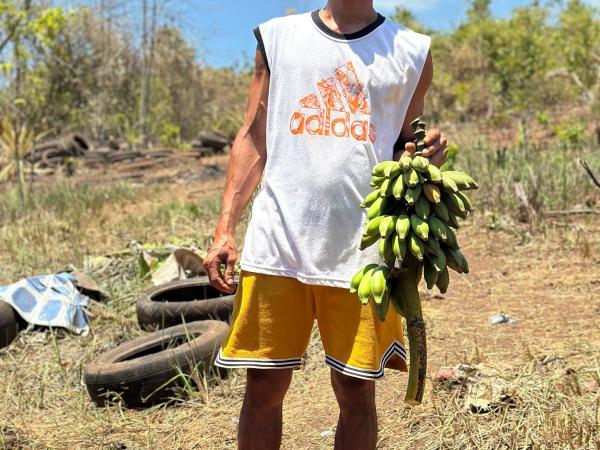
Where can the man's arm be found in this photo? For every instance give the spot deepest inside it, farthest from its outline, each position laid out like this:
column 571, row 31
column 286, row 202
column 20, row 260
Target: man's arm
column 436, row 144
column 246, row 165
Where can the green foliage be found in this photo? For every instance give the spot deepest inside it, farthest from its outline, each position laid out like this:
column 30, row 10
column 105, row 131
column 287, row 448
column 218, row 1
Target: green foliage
column 571, row 135
column 82, row 72
column 541, row 57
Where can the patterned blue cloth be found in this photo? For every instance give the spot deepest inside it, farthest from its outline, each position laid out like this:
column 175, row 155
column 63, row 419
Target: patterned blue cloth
column 49, row 300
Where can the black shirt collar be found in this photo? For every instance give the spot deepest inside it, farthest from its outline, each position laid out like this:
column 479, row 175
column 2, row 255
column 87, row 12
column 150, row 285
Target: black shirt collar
column 357, row 34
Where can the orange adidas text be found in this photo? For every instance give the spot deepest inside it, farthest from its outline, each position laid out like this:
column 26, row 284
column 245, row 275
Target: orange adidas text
column 332, row 123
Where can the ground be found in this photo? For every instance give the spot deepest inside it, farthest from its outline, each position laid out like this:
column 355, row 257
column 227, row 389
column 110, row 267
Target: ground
column 547, row 365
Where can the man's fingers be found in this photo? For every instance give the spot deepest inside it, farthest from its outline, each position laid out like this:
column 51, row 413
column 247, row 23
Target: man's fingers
column 432, row 136
column 229, row 272
column 411, row 148
column 440, row 158
column 215, row 277
column 430, row 151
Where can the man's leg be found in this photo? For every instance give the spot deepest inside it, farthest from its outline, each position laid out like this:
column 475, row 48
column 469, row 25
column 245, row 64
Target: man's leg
column 357, row 424
column 261, row 419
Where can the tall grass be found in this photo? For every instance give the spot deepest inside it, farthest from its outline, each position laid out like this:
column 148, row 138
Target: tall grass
column 551, row 175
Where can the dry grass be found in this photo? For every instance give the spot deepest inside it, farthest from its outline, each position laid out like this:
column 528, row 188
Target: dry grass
column 548, row 363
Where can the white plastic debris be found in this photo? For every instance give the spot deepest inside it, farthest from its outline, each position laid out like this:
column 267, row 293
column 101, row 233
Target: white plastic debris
column 502, row 318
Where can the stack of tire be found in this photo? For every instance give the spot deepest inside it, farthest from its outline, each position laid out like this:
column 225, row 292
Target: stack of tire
column 211, row 143
column 9, row 324
column 187, row 321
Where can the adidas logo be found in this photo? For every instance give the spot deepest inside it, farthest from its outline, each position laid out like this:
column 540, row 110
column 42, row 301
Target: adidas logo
column 332, row 113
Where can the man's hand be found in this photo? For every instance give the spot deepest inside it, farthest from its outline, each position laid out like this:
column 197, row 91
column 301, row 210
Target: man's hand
column 223, row 251
column 436, row 148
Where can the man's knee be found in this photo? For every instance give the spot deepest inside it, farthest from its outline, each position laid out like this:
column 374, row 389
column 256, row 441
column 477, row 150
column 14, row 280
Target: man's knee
column 353, row 394
column 266, row 388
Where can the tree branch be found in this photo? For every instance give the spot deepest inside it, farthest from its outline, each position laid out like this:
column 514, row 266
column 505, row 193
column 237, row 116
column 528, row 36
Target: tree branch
column 589, row 172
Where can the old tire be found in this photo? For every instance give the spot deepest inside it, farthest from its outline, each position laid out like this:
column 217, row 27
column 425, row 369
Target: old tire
column 145, row 371
column 9, row 325
column 182, row 302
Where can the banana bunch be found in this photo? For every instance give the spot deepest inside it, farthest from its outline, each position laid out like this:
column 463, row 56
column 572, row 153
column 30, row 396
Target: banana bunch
column 413, row 212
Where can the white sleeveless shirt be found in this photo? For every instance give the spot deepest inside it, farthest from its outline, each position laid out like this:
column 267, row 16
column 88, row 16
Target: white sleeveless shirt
column 336, row 108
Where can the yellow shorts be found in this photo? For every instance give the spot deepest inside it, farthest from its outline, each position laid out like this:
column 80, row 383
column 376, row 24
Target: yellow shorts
column 273, row 318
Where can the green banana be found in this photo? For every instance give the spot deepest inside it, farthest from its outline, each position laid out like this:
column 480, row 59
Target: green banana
column 399, row 248
column 381, row 308
column 402, row 227
column 455, row 204
column 448, row 183
column 411, row 177
column 419, row 227
column 387, row 226
column 372, row 226
column 433, row 247
column 430, row 273
column 379, row 282
column 412, row 194
column 386, row 187
column 441, row 210
column 376, row 181
column 451, row 239
column 358, row 276
column 462, row 180
column 386, row 250
column 370, row 198
column 416, row 246
column 405, row 163
column 443, row 280
column 423, row 207
column 456, row 260
column 415, row 124
column 438, row 228
column 452, row 220
column 438, row 261
column 420, row 164
column 392, row 170
column 368, row 240
column 379, row 169
column 432, row 192
column 434, row 174
column 375, row 208
column 398, row 189
column 364, row 288
column 465, row 201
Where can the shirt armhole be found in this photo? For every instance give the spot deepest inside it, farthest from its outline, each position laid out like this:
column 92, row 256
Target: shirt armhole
column 261, row 46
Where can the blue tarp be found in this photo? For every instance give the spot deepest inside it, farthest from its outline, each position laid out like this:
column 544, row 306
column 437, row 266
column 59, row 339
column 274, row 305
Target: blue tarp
column 49, row 300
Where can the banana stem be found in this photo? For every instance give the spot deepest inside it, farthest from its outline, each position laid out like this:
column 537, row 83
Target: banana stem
column 406, row 293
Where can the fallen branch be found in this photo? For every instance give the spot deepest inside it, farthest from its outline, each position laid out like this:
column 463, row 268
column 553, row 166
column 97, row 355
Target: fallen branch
column 589, row 172
column 572, row 212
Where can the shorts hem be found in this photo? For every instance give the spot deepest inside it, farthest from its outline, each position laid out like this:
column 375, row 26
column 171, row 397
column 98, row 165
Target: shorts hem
column 256, row 363
column 368, row 374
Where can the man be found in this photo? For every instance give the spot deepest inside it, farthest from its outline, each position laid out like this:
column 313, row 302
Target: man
column 333, row 93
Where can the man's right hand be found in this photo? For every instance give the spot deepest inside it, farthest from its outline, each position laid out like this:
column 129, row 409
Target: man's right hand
column 223, row 251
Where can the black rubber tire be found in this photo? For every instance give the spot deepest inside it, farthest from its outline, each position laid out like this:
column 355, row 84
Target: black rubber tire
column 9, row 325
column 145, row 371
column 182, row 301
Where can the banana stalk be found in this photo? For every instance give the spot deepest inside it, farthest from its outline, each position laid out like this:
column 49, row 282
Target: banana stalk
column 405, row 298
